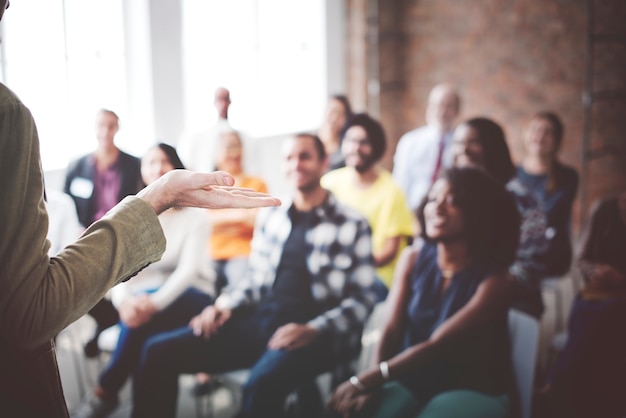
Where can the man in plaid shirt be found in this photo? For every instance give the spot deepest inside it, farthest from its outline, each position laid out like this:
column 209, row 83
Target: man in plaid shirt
column 298, row 312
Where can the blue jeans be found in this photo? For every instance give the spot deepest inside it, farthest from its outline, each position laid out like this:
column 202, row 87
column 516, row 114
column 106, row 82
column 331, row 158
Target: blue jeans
column 131, row 340
column 240, row 343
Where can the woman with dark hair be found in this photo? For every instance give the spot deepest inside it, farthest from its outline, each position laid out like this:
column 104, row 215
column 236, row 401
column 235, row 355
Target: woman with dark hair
column 171, row 158
column 445, row 341
column 481, row 142
column 338, row 112
column 164, row 295
column 553, row 183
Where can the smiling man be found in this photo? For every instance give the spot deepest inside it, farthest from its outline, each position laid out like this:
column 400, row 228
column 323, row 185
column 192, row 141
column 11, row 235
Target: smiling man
column 297, row 312
column 367, row 187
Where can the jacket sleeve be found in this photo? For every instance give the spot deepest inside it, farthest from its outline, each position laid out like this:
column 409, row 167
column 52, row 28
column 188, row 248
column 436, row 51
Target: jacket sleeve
column 39, row 296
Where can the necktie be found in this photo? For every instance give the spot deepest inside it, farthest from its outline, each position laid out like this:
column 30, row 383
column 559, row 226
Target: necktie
column 442, row 144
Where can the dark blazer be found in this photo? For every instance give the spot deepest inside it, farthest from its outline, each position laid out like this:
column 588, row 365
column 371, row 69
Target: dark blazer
column 84, row 168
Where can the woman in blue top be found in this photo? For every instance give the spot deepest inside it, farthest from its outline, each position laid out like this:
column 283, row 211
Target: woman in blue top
column 554, row 185
column 447, row 326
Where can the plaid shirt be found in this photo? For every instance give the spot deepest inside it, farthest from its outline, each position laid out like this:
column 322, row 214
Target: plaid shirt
column 340, row 262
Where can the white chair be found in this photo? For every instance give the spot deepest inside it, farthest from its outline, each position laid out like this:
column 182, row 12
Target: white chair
column 524, row 335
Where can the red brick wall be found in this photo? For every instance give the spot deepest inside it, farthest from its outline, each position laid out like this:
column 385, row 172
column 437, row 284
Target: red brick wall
column 509, row 59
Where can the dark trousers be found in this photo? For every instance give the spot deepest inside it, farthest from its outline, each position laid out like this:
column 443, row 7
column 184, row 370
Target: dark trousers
column 105, row 315
column 590, row 375
column 131, row 340
column 240, row 343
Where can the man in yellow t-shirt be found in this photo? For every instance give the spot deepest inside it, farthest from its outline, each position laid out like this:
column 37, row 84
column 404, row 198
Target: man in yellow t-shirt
column 366, row 186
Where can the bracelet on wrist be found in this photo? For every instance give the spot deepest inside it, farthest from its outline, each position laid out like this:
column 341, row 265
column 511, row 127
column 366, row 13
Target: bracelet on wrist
column 384, row 370
column 357, row 384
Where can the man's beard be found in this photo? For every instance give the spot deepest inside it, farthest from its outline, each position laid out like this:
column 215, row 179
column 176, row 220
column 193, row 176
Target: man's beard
column 367, row 163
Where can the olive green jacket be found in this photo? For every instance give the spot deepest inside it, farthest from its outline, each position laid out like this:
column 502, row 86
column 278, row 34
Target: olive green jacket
column 39, row 296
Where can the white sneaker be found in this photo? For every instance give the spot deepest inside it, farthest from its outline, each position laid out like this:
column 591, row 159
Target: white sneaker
column 94, row 407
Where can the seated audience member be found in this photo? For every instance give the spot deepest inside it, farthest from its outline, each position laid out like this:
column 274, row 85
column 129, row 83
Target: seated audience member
column 589, row 377
column 338, row 112
column 229, row 243
column 97, row 182
column 299, row 310
column 446, row 339
column 163, row 296
column 480, row 142
column 197, row 150
column 367, row 187
column 553, row 183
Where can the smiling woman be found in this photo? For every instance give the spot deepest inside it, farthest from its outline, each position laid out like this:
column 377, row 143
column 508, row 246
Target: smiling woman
column 554, row 184
column 446, row 329
column 481, row 142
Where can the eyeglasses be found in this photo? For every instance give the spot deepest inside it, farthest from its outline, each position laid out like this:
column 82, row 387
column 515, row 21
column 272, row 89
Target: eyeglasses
column 358, row 141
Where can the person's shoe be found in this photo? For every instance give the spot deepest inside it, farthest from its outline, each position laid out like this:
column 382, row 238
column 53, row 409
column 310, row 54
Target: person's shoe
column 91, row 348
column 95, row 407
column 205, row 388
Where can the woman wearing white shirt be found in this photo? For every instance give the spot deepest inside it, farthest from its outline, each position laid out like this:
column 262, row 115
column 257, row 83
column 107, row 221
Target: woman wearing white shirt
column 164, row 295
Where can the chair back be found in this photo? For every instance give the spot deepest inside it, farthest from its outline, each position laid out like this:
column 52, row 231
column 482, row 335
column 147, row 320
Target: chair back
column 524, row 335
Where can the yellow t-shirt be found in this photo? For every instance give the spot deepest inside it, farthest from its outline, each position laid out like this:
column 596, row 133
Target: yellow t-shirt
column 384, row 206
column 233, row 239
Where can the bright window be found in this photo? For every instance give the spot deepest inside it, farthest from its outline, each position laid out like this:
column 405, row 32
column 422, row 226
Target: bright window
column 67, row 58
column 270, row 54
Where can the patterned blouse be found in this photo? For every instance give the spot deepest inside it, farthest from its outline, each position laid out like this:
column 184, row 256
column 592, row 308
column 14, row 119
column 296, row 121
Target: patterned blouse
column 529, row 267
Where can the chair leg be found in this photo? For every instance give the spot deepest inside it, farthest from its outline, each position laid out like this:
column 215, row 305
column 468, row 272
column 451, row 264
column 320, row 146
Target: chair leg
column 78, row 365
column 204, row 406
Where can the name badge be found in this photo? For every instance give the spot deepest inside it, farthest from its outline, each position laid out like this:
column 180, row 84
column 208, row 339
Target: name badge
column 81, row 187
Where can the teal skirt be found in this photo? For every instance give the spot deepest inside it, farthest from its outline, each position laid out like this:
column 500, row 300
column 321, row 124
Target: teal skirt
column 398, row 402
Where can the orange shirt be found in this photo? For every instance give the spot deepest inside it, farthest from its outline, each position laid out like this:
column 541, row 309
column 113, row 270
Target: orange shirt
column 231, row 238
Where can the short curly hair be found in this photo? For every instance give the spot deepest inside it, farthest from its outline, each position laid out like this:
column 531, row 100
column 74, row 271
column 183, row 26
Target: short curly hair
column 373, row 129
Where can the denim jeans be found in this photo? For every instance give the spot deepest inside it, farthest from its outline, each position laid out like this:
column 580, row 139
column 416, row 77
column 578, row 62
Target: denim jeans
column 240, row 343
column 131, row 340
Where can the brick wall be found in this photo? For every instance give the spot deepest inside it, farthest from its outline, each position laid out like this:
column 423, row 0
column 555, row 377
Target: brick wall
column 509, row 59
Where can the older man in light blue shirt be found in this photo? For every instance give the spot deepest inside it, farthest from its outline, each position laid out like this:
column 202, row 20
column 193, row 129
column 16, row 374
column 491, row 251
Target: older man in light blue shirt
column 423, row 152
